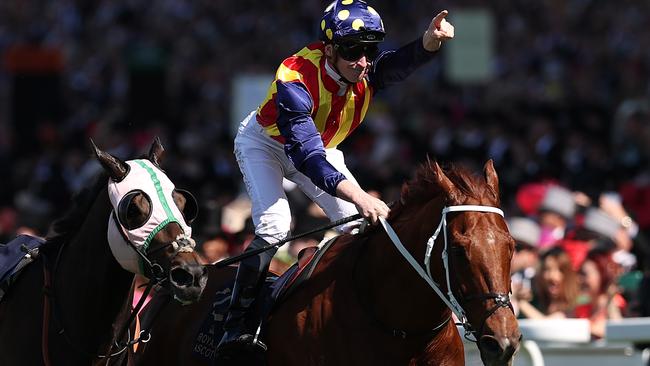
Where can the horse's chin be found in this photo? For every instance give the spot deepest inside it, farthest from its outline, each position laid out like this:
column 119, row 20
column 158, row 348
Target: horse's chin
column 188, row 295
column 489, row 361
column 492, row 356
column 185, row 301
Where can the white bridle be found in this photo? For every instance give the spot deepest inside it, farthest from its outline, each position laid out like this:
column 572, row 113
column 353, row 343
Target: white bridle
column 450, row 301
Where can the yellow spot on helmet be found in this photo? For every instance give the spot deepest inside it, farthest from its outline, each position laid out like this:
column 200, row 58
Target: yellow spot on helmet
column 328, row 33
column 343, row 14
column 372, row 10
column 347, row 2
column 322, row 25
column 357, row 23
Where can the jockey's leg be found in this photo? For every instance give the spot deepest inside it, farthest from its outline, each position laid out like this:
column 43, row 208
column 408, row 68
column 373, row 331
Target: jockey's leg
column 258, row 159
column 250, row 277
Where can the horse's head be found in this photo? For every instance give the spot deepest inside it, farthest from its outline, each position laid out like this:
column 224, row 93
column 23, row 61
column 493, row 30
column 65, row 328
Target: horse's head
column 467, row 249
column 479, row 251
column 149, row 228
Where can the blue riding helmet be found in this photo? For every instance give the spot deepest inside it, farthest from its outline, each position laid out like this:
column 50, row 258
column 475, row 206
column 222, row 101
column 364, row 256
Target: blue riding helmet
column 351, row 21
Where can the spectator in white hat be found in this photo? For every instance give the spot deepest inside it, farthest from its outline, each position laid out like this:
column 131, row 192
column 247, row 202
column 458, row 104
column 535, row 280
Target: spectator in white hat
column 526, row 233
column 525, row 259
column 556, row 212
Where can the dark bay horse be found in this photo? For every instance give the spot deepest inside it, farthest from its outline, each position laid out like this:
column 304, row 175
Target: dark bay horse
column 365, row 303
column 62, row 307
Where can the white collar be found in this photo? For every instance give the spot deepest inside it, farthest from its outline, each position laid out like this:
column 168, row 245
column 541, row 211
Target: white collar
column 331, row 71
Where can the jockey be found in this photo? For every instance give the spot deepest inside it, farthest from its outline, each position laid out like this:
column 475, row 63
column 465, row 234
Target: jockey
column 319, row 96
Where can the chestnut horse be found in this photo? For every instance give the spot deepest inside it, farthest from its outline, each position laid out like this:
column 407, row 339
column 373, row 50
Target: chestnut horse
column 61, row 308
column 378, row 299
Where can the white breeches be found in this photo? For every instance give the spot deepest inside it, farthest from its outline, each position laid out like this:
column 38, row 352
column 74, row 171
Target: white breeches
column 264, row 164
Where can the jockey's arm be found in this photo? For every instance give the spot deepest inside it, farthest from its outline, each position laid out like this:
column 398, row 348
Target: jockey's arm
column 303, row 144
column 304, row 147
column 395, row 65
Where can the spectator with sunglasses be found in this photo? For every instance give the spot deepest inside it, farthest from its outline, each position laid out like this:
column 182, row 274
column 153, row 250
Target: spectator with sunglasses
column 319, row 96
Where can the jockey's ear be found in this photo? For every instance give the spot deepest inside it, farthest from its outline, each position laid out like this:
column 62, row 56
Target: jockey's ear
column 491, row 178
column 115, row 167
column 329, row 52
column 156, row 152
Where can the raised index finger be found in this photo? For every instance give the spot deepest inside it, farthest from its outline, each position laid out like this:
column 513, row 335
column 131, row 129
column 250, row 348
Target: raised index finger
column 437, row 20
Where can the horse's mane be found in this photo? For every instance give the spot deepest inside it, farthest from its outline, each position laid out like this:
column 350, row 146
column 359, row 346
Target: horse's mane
column 424, row 186
column 64, row 227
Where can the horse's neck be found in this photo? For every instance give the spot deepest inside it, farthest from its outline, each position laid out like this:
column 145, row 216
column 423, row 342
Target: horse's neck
column 391, row 276
column 90, row 285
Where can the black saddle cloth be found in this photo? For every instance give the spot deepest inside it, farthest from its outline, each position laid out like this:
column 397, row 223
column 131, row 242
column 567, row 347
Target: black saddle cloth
column 274, row 290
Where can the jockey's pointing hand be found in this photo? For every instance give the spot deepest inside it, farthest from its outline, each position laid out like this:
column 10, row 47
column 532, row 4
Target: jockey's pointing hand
column 439, row 30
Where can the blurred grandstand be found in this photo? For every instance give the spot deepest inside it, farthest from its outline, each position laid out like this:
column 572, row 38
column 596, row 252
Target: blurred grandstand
column 567, row 99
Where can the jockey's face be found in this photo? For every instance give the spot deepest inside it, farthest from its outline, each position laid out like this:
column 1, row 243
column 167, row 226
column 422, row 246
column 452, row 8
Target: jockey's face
column 351, row 70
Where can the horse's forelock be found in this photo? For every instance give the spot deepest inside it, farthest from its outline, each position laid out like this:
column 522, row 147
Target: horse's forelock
column 424, row 187
column 470, row 185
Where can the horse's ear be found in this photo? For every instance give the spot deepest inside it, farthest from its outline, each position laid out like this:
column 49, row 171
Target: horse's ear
column 156, row 152
column 491, row 177
column 116, row 168
column 443, row 181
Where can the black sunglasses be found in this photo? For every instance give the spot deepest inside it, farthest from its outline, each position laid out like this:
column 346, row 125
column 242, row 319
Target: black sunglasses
column 354, row 51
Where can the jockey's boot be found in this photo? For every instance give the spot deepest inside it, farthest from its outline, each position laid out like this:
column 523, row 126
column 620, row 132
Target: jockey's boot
column 239, row 335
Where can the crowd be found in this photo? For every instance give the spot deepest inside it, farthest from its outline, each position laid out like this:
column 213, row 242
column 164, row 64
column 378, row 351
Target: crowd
column 575, row 258
column 568, row 107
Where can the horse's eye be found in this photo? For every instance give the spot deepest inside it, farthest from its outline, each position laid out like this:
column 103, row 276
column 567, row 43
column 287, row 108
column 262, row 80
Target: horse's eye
column 134, row 209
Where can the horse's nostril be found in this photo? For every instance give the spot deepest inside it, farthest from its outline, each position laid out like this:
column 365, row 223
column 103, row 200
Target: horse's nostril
column 181, row 277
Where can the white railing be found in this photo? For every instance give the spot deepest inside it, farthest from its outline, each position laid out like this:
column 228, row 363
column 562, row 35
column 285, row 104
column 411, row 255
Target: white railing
column 561, row 342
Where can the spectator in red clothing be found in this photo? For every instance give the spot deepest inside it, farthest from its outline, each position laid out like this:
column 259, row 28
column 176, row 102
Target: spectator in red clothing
column 596, row 230
column 601, row 299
